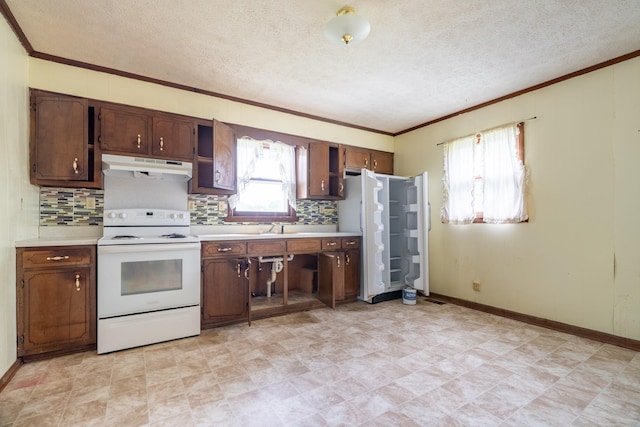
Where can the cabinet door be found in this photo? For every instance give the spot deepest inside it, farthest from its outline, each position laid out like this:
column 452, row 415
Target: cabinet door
column 59, row 138
column 330, row 277
column 56, row 307
column 318, row 169
column 351, row 273
column 224, row 157
column 172, row 138
column 382, row 162
column 225, row 291
column 124, row 130
column 356, row 158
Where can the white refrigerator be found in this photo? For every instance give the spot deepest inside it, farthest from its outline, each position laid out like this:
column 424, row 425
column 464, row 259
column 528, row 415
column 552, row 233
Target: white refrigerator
column 393, row 215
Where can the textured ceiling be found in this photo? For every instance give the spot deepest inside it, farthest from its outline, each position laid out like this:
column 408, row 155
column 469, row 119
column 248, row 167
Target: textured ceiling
column 423, row 59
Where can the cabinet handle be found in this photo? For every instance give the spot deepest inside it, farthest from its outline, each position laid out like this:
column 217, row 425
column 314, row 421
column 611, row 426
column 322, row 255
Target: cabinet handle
column 238, row 268
column 227, row 249
column 341, row 187
column 75, row 165
column 350, row 242
column 322, row 185
column 375, row 164
column 366, row 162
column 331, row 243
column 338, row 262
column 218, row 176
column 57, row 258
column 161, row 144
column 346, row 259
column 139, row 140
column 77, row 282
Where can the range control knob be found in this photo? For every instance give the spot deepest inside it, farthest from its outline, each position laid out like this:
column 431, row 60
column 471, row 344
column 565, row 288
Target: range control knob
column 122, row 215
column 111, row 215
column 172, row 216
column 181, row 216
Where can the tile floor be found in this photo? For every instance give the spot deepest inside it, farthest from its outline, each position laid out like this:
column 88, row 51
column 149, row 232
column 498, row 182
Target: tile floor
column 373, row 365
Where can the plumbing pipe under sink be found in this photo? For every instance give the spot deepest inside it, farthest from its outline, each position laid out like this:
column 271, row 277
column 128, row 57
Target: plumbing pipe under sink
column 277, row 264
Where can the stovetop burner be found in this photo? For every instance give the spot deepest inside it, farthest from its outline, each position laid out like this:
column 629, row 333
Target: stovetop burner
column 174, row 236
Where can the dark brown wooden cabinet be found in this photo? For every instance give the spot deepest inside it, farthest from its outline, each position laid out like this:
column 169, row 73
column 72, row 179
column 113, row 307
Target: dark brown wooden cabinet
column 357, row 158
column 351, row 247
column 56, row 299
column 225, row 291
column 172, row 138
column 320, row 171
column 225, row 283
column 124, row 130
column 61, row 144
column 339, row 270
column 136, row 131
column 215, row 165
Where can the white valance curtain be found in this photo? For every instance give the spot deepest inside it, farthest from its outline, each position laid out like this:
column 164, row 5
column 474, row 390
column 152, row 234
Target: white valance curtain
column 491, row 159
column 248, row 152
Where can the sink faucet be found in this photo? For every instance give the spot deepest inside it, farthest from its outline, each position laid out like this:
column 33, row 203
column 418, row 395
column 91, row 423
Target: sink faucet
column 271, row 229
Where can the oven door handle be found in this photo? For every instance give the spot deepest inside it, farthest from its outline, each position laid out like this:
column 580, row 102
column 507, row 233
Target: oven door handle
column 126, row 249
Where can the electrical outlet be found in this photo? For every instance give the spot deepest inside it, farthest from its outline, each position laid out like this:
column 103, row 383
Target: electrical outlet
column 191, row 205
column 90, row 202
column 476, row 286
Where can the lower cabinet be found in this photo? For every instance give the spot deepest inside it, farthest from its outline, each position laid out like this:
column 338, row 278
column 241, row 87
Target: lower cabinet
column 225, row 291
column 56, row 299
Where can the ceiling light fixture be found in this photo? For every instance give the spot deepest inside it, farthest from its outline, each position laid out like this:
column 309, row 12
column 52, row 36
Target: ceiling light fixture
column 347, row 27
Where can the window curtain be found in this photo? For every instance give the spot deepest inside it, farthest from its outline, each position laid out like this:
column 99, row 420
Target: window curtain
column 504, row 177
column 458, row 180
column 286, row 154
column 249, row 150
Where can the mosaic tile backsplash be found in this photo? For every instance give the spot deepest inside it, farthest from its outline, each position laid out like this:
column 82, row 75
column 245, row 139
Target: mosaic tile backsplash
column 67, row 207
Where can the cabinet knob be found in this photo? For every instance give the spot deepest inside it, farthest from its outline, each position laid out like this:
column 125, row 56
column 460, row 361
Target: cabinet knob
column 350, row 242
column 341, row 187
column 161, row 144
column 375, row 164
column 57, row 258
column 322, row 185
column 218, row 175
column 346, row 259
column 75, row 165
column 238, row 268
column 78, row 282
column 338, row 262
column 227, row 249
column 366, row 162
column 331, row 243
column 139, row 140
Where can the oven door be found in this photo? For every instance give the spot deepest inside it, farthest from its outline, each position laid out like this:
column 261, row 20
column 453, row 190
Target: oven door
column 143, row 278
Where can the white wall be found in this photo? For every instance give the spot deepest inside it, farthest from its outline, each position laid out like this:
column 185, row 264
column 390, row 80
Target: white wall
column 91, row 84
column 583, row 154
column 18, row 199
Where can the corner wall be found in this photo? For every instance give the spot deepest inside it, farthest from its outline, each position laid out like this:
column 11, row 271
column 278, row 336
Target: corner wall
column 18, row 198
column 576, row 261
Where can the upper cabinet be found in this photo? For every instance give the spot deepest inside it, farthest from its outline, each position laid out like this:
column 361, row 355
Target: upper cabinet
column 124, row 130
column 360, row 158
column 215, row 165
column 136, row 131
column 61, row 141
column 320, row 171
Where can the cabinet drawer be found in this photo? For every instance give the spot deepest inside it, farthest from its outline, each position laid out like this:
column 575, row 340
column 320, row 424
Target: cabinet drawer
column 330, row 244
column 59, row 257
column 350, row 242
column 215, row 249
column 266, row 247
column 304, row 245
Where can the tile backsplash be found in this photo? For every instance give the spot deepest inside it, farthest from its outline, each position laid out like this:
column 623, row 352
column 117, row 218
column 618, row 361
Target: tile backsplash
column 68, row 207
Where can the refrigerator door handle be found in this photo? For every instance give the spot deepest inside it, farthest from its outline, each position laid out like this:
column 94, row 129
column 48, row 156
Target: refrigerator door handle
column 429, row 207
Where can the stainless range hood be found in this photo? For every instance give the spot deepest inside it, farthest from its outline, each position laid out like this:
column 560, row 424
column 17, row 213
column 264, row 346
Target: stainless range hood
column 143, row 167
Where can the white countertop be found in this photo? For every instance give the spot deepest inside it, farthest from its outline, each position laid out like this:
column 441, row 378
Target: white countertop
column 90, row 236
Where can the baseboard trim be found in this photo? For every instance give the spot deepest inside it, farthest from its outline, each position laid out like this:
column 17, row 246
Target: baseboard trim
column 629, row 343
column 10, row 373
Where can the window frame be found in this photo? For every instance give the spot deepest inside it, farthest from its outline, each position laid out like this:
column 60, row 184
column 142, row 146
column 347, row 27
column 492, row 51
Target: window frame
column 262, row 217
